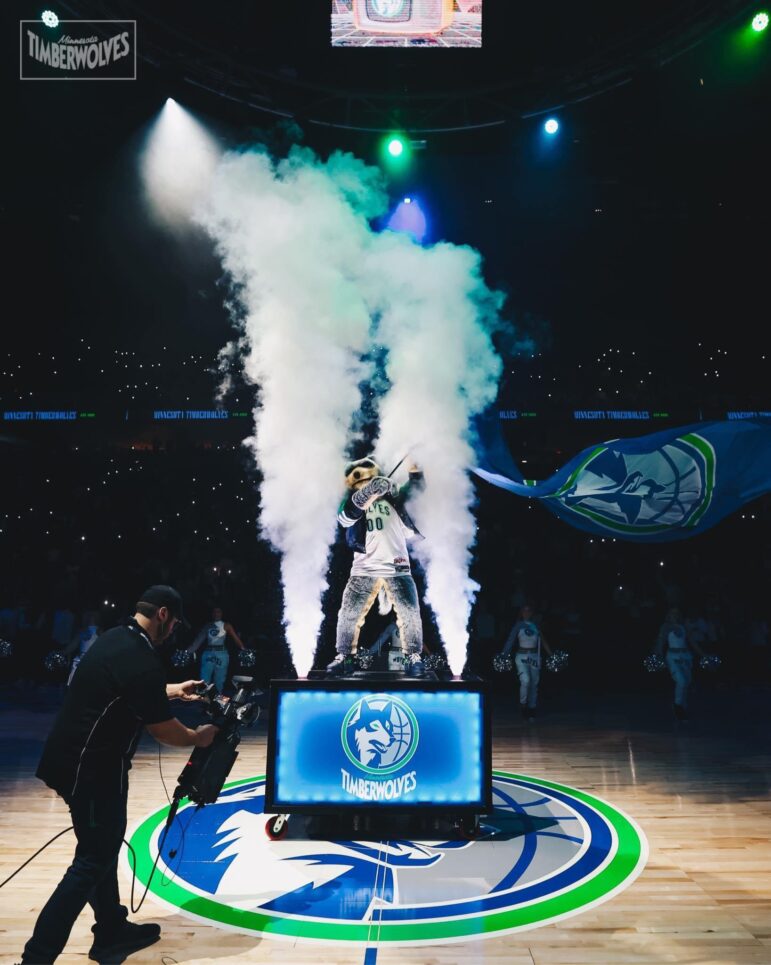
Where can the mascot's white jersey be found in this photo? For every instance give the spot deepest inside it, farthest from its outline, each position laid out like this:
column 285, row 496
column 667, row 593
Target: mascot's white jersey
column 386, row 547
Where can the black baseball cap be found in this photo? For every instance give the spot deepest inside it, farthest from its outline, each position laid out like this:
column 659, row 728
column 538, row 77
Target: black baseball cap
column 162, row 595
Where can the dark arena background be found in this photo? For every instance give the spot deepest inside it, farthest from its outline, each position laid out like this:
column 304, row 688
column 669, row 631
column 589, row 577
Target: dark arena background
column 518, row 251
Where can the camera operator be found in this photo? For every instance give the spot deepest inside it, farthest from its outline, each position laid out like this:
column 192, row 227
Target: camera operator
column 119, row 687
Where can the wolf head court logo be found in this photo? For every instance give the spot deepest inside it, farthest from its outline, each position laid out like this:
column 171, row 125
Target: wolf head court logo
column 380, row 734
column 546, row 852
column 643, row 492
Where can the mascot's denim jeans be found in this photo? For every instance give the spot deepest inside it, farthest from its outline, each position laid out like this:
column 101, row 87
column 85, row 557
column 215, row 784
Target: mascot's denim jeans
column 361, row 592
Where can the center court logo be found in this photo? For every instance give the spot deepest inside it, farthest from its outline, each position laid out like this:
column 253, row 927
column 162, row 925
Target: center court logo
column 547, row 852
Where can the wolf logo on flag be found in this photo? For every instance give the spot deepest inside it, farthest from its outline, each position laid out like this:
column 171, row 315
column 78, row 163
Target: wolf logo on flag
column 644, row 492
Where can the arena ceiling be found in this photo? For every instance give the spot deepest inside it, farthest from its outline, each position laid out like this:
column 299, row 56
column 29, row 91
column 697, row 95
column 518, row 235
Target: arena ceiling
column 274, row 58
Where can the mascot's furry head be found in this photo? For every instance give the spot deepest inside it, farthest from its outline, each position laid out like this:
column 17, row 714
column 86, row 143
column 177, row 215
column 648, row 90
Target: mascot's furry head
column 359, row 472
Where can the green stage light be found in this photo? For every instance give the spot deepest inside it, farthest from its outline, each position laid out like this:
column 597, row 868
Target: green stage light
column 396, row 151
column 759, row 22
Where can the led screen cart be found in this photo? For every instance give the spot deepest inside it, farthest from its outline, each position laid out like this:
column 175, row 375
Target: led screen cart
column 372, row 750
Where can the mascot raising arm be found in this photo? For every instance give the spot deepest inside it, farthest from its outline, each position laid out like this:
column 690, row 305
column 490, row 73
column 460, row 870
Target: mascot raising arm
column 377, row 527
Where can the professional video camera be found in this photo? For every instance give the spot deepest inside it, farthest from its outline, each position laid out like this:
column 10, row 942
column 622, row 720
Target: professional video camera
column 205, row 773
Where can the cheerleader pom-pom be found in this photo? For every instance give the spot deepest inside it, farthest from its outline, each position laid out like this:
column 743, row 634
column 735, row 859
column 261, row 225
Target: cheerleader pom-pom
column 653, row 663
column 247, row 659
column 501, row 664
column 710, row 661
column 181, row 659
column 365, row 659
column 557, row 661
column 56, row 662
column 6, row 649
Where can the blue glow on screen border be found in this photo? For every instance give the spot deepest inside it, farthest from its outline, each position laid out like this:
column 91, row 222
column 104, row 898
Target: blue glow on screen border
column 453, row 781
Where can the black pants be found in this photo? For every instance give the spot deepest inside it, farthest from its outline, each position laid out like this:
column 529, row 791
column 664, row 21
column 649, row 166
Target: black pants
column 99, row 820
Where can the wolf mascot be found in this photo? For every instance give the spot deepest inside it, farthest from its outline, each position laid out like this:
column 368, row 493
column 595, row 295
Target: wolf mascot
column 377, row 527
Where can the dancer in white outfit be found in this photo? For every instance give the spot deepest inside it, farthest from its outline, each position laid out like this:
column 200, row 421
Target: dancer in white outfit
column 528, row 640
column 215, row 658
column 677, row 647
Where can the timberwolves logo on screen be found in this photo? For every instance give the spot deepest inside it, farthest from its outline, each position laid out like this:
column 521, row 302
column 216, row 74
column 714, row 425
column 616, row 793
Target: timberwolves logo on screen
column 644, row 492
column 379, row 734
column 547, row 852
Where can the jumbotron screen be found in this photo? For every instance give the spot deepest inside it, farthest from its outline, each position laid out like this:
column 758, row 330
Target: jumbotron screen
column 407, row 23
column 332, row 746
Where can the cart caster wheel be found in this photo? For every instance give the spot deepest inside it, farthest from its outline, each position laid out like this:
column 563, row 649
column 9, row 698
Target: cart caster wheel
column 468, row 828
column 277, row 826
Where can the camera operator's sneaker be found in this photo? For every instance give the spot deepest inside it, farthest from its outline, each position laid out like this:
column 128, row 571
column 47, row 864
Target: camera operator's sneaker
column 374, row 489
column 129, row 938
column 337, row 668
column 415, row 666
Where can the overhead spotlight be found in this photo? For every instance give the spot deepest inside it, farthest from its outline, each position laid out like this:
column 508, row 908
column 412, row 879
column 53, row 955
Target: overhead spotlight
column 409, row 219
column 49, row 18
column 552, row 126
column 396, row 147
column 760, row 21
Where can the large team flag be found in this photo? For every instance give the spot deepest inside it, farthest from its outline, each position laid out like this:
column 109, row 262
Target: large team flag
column 664, row 486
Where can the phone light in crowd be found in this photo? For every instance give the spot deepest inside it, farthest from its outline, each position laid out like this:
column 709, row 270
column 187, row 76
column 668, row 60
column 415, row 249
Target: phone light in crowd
column 49, row 18
column 551, row 126
column 760, row 21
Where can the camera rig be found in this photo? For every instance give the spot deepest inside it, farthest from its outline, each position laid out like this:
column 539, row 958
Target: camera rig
column 207, row 769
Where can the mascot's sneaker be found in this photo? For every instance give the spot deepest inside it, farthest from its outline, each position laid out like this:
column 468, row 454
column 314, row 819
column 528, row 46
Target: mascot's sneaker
column 415, row 666
column 337, row 668
column 129, row 938
column 374, row 489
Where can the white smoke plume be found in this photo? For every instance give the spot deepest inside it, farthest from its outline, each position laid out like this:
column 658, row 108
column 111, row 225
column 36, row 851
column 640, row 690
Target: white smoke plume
column 318, row 290
column 290, row 235
column 436, row 323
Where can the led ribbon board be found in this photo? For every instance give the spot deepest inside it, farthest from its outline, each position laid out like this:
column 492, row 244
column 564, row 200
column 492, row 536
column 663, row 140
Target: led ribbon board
column 333, row 746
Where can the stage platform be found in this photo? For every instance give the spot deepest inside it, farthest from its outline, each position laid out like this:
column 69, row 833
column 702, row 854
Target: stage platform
column 698, row 793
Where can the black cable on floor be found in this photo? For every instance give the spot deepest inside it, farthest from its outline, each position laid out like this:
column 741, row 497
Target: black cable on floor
column 22, row 866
